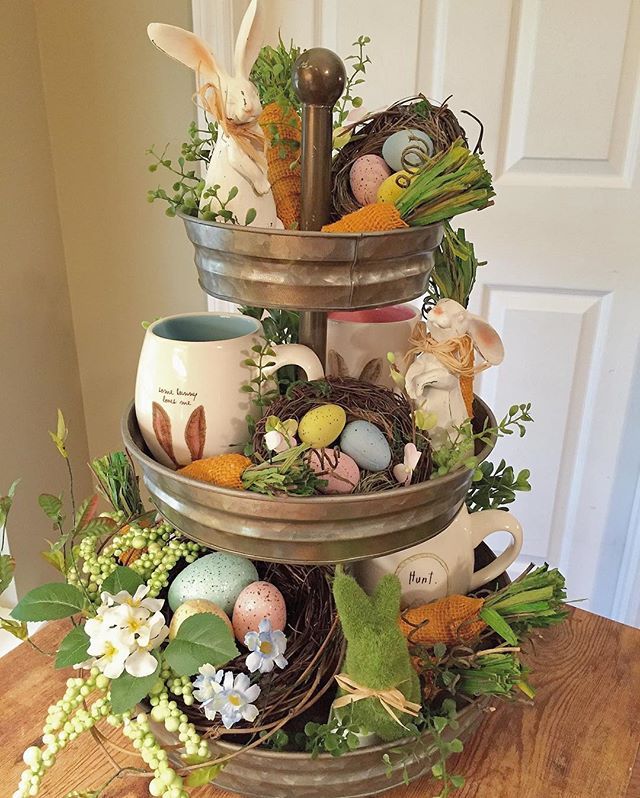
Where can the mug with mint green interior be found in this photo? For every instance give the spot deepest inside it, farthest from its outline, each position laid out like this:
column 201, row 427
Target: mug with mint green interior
column 189, row 399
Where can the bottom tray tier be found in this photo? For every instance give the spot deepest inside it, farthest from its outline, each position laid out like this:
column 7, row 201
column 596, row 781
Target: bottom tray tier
column 317, row 529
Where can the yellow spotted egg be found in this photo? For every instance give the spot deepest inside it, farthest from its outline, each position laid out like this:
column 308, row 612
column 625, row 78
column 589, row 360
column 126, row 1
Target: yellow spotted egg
column 322, row 425
column 389, row 191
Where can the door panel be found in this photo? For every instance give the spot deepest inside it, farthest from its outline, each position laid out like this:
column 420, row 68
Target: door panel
column 557, row 88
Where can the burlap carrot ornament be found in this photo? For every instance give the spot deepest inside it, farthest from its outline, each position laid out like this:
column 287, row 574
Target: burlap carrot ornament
column 283, row 133
column 449, row 183
column 286, row 472
column 534, row 600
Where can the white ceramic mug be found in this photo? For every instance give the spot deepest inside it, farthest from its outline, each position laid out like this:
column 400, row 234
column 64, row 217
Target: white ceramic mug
column 358, row 342
column 443, row 565
column 189, row 398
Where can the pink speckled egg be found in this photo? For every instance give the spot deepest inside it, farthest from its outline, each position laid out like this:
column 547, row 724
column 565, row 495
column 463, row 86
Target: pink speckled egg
column 257, row 601
column 367, row 174
column 340, row 471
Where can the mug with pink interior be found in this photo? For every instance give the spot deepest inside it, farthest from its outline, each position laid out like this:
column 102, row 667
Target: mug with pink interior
column 358, row 342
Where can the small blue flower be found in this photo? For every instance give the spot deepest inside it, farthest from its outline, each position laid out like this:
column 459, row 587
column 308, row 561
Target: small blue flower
column 267, row 648
column 221, row 693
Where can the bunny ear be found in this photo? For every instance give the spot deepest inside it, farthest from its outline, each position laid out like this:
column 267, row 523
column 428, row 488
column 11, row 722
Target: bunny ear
column 249, row 40
column 353, row 604
column 485, row 339
column 386, row 599
column 186, row 47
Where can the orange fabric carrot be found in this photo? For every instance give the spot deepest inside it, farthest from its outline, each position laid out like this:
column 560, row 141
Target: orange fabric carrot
column 224, row 470
column 372, row 218
column 448, row 620
column 283, row 132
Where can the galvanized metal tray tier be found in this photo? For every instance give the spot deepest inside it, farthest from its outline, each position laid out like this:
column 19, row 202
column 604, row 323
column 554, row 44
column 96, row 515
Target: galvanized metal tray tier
column 310, row 270
column 315, row 529
column 259, row 773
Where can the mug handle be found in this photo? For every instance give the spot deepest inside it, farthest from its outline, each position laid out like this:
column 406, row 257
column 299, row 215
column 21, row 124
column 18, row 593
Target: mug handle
column 485, row 522
column 296, row 355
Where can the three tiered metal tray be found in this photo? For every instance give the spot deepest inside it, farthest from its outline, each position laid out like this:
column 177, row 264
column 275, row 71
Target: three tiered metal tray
column 312, row 272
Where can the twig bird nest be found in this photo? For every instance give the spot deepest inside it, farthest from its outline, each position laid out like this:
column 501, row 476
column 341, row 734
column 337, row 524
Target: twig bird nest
column 389, row 411
column 315, row 648
column 369, row 134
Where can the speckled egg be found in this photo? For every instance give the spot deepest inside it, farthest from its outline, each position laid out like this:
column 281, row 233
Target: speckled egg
column 195, row 607
column 217, row 577
column 322, row 425
column 398, row 142
column 389, row 191
column 364, row 442
column 367, row 174
column 340, row 471
column 258, row 601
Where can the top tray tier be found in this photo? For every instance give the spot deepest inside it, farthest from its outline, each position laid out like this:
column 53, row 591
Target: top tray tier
column 312, row 271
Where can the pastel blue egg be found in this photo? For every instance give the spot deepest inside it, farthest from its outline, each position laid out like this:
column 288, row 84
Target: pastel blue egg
column 397, row 143
column 364, row 442
column 217, row 577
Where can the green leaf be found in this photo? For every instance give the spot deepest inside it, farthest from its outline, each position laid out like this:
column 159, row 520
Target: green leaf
column 127, row 690
column 456, row 781
column 60, row 435
column 456, row 746
column 499, row 625
column 55, row 557
column 15, row 628
column 437, row 770
column 202, row 776
column 73, row 648
column 122, row 578
column 440, row 723
column 51, row 506
column 202, row 639
column 7, row 567
column 49, row 602
column 99, row 526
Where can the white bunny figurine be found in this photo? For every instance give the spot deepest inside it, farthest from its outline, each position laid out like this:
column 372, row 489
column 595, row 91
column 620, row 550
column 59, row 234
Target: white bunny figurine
column 239, row 156
column 433, row 379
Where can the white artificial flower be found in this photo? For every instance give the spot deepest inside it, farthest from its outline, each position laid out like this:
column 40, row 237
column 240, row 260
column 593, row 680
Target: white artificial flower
column 280, row 435
column 208, row 684
column 124, row 632
column 267, row 648
column 403, row 472
column 110, row 651
column 138, row 599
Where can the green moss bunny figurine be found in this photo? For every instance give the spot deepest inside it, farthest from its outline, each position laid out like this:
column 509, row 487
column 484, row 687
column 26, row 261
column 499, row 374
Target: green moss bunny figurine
column 377, row 656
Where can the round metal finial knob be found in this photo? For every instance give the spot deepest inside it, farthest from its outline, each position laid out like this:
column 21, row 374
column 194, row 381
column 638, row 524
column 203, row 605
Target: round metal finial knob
column 319, row 77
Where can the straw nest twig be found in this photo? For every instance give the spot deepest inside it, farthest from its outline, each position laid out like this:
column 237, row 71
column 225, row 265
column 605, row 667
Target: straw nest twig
column 388, row 411
column 369, row 134
column 315, row 648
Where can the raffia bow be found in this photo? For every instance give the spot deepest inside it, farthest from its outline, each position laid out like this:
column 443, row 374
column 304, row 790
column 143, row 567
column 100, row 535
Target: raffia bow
column 390, row 699
column 248, row 136
column 457, row 355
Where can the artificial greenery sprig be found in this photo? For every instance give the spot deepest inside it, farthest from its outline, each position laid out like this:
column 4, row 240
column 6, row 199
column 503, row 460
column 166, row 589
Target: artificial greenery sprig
column 454, row 271
column 358, row 67
column 271, row 74
column 493, row 487
column 457, row 450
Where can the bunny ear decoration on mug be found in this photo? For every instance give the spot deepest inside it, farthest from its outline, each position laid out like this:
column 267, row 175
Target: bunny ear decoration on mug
column 249, row 40
column 486, row 340
column 187, row 48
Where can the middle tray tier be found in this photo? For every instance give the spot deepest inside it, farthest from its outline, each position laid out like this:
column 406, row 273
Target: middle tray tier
column 312, row 271
column 318, row 529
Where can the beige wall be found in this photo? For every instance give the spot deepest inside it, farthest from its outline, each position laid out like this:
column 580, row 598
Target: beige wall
column 38, row 364
column 109, row 96
column 84, row 257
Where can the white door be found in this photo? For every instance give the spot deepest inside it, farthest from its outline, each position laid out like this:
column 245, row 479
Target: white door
column 556, row 83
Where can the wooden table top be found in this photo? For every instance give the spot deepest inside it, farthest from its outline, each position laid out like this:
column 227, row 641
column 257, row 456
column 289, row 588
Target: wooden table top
column 580, row 740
